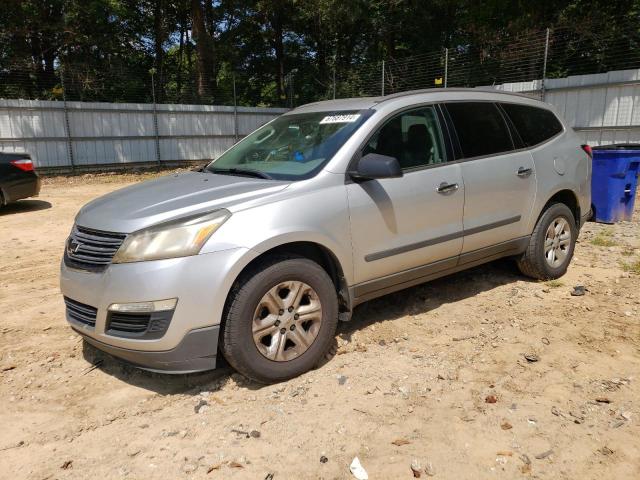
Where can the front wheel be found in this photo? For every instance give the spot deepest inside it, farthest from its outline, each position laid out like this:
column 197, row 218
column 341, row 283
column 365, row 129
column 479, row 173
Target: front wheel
column 551, row 244
column 281, row 319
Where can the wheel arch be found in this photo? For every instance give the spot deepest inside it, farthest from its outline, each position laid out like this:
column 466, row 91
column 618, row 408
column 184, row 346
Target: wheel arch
column 311, row 250
column 567, row 197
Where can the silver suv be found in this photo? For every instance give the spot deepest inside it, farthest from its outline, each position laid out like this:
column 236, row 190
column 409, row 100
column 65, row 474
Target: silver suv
column 260, row 253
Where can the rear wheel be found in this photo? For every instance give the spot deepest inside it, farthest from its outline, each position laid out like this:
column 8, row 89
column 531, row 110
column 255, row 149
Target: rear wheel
column 280, row 319
column 551, row 244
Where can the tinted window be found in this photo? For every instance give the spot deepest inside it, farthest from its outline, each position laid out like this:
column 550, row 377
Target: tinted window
column 535, row 125
column 412, row 137
column 480, row 127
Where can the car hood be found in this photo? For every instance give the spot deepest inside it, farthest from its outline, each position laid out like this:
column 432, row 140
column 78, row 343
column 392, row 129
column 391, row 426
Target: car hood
column 166, row 198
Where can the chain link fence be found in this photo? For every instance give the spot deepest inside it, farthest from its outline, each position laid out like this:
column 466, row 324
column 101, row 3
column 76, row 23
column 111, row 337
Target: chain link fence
column 533, row 55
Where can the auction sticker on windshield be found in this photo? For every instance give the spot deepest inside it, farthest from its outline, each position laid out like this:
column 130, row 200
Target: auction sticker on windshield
column 350, row 118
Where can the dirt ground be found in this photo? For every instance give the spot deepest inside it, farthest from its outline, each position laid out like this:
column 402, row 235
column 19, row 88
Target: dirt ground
column 435, row 376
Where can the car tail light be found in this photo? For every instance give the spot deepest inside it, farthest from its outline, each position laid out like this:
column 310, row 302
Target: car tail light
column 23, row 164
column 587, row 149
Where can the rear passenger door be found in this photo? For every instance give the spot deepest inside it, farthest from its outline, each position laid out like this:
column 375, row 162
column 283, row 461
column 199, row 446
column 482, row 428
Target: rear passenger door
column 499, row 181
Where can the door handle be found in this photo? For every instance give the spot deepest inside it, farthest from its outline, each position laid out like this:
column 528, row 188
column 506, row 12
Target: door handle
column 445, row 187
column 524, row 172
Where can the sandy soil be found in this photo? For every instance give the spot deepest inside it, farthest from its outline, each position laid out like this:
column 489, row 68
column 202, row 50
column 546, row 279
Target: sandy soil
column 412, row 382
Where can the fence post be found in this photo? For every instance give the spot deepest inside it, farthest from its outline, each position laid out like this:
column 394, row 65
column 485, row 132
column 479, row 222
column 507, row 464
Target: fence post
column 67, row 124
column 235, row 110
column 446, row 66
column 334, row 82
column 155, row 115
column 544, row 65
column 383, row 78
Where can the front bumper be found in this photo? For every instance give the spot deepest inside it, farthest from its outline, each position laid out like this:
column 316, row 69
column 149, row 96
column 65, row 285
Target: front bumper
column 200, row 283
column 195, row 353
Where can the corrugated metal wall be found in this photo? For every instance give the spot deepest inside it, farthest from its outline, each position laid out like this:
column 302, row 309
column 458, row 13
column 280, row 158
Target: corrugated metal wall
column 603, row 108
column 108, row 133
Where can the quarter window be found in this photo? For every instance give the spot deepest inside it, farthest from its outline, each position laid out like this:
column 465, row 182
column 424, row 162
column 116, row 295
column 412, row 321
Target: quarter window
column 535, row 125
column 413, row 137
column 481, row 128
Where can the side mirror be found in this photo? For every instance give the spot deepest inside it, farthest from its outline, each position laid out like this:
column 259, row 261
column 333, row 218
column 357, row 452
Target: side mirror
column 375, row 166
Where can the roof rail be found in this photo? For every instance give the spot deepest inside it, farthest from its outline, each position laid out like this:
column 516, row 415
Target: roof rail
column 487, row 89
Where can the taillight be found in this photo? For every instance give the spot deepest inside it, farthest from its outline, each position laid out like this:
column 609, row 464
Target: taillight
column 24, row 164
column 587, row 149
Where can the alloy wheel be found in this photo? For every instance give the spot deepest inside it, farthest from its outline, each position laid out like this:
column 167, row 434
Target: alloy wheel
column 286, row 321
column 557, row 242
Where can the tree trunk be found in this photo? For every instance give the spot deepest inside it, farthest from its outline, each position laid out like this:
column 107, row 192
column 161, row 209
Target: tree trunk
column 204, row 50
column 279, row 49
column 159, row 38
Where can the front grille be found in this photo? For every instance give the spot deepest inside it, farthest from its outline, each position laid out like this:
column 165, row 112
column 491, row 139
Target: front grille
column 80, row 312
column 88, row 249
column 138, row 325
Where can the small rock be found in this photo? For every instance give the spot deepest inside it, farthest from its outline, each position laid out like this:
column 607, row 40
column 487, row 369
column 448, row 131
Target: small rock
column 603, row 400
column 545, row 340
column 416, row 468
column 342, row 380
column 543, row 455
column 491, row 399
column 189, row 468
column 606, row 451
column 255, row 433
column 398, row 442
column 578, row 291
column 323, row 459
column 429, row 470
column 201, row 406
column 617, row 423
column 133, row 451
column 67, row 465
column 506, row 425
column 531, row 357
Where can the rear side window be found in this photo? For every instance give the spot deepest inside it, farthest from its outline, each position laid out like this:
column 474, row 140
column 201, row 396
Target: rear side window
column 535, row 125
column 481, row 128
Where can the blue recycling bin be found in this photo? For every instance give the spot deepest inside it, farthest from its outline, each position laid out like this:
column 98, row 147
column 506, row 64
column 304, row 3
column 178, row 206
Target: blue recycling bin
column 614, row 180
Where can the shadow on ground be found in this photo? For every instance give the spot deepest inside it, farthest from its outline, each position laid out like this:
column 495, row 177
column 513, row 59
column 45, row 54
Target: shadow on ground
column 24, row 206
column 412, row 301
column 431, row 295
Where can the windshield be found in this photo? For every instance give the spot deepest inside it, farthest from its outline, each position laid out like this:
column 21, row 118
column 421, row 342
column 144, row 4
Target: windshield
column 291, row 147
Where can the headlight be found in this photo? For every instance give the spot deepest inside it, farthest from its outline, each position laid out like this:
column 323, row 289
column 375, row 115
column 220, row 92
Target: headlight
column 177, row 238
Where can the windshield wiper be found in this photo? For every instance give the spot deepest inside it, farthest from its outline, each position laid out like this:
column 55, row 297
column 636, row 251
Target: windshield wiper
column 241, row 171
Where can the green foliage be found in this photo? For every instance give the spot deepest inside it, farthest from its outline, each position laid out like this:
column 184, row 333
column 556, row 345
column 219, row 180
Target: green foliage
column 604, row 238
column 632, row 267
column 286, row 52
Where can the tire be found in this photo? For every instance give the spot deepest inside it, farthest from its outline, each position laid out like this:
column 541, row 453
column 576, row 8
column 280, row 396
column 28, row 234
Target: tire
column 254, row 297
column 534, row 262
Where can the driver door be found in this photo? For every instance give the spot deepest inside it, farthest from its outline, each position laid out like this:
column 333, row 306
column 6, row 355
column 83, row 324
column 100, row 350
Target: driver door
column 399, row 224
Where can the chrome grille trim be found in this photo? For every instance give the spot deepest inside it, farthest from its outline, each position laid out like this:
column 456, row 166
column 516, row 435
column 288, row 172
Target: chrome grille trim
column 89, row 249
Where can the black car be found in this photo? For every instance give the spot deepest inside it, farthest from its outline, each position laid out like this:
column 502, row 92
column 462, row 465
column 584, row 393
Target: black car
column 18, row 178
